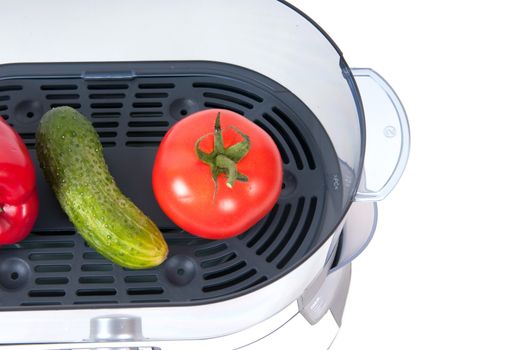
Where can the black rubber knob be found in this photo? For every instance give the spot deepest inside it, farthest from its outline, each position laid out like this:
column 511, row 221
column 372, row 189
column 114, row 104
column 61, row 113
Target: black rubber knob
column 180, row 270
column 14, row 273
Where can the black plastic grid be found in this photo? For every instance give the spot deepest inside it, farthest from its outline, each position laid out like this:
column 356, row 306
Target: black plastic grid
column 55, row 267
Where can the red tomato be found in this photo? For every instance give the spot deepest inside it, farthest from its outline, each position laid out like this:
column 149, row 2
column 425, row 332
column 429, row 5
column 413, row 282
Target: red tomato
column 189, row 156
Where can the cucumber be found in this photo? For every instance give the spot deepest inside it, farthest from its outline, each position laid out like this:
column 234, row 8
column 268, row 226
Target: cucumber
column 71, row 157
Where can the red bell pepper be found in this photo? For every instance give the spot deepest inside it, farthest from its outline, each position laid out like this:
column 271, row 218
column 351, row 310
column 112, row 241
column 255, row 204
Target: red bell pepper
column 18, row 194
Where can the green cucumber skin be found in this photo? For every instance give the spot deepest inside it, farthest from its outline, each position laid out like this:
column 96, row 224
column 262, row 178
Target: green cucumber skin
column 71, row 157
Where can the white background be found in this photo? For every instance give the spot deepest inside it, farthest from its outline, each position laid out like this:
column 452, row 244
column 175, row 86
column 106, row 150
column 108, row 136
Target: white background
column 448, row 266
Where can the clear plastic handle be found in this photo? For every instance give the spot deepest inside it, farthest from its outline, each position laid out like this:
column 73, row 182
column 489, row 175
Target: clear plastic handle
column 387, row 136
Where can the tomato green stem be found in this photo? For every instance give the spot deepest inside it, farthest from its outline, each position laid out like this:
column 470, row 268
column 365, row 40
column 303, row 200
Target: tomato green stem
column 218, row 137
column 224, row 161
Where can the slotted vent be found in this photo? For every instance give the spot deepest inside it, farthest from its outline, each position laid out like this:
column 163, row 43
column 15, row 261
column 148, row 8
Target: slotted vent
column 6, row 102
column 286, row 135
column 61, row 95
column 228, row 88
column 227, row 270
column 232, row 282
column 108, row 86
column 55, row 266
column 58, row 87
column 151, row 103
column 225, row 96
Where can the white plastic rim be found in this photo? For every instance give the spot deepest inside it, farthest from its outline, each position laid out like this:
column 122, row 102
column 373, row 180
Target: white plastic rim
column 278, row 330
column 168, row 323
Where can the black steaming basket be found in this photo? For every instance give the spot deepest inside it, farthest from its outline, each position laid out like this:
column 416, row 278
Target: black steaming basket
column 55, row 268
